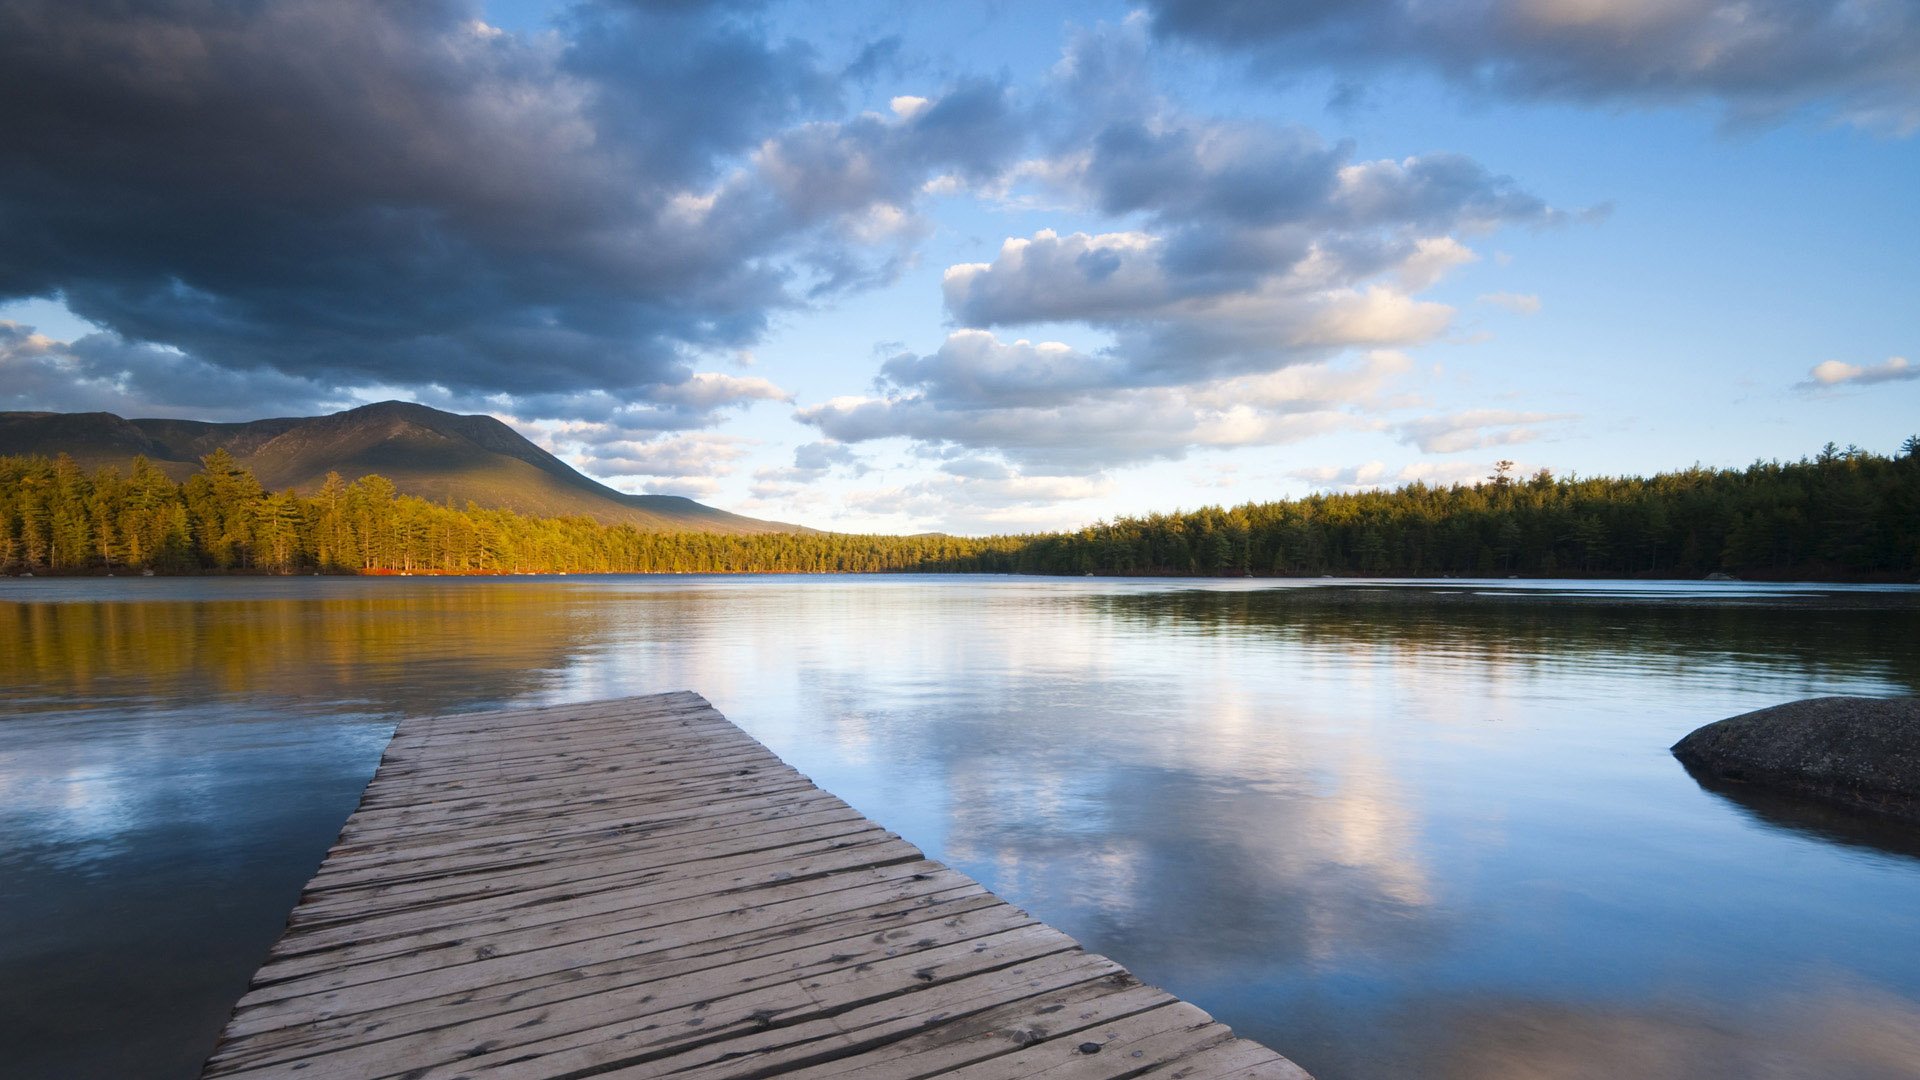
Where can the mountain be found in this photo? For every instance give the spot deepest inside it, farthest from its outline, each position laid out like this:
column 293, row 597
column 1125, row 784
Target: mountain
column 436, row 455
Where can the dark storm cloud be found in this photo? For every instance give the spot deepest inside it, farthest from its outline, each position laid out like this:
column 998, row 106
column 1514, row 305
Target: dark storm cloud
column 1854, row 60
column 352, row 192
column 677, row 87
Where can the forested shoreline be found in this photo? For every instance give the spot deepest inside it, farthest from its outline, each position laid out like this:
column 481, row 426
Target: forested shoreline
column 1845, row 514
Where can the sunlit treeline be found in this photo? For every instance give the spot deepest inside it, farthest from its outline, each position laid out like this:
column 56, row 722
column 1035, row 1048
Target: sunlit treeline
column 1843, row 513
column 57, row 517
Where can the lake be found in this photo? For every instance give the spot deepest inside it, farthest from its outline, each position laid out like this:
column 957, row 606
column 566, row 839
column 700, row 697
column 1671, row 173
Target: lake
column 1392, row 829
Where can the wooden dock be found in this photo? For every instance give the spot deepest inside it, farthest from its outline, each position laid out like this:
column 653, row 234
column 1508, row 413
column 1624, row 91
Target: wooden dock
column 637, row 888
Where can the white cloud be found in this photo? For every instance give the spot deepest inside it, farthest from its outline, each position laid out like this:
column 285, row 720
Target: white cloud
column 1072, row 419
column 1473, row 429
column 1248, row 248
column 1050, row 277
column 1432, row 258
column 1518, row 303
column 1173, row 323
column 812, row 462
column 709, row 390
column 1009, row 501
column 698, row 488
column 1833, row 373
column 906, row 106
column 1377, row 474
column 974, row 369
column 679, row 462
column 584, row 425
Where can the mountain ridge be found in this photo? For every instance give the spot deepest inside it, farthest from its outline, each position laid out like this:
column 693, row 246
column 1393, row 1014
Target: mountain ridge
column 426, row 452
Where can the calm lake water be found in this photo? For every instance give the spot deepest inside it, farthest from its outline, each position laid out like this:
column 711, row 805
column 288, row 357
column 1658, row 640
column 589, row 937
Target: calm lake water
column 1391, row 829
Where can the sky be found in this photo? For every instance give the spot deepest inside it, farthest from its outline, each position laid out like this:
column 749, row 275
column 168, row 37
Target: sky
column 981, row 267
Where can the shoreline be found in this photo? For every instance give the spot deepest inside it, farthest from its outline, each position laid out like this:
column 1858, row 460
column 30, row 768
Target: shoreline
column 1751, row 579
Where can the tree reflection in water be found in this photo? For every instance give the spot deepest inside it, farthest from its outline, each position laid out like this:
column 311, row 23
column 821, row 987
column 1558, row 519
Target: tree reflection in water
column 1395, row 830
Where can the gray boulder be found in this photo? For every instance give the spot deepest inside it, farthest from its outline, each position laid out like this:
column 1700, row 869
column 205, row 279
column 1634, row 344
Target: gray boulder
column 1864, row 752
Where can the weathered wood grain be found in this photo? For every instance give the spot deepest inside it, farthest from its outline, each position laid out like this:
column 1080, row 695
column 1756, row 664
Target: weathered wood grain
column 637, row 888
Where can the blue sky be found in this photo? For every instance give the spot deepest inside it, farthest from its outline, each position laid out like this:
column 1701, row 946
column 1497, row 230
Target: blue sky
column 983, row 267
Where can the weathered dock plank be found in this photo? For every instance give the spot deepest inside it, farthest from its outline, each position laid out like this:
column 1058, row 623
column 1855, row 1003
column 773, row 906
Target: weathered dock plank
column 638, row 889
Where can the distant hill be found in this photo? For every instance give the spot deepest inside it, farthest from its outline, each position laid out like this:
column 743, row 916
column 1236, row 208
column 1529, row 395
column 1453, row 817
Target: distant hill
column 436, row 455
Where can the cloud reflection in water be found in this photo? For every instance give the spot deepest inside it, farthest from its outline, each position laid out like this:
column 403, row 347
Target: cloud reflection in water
column 1397, row 832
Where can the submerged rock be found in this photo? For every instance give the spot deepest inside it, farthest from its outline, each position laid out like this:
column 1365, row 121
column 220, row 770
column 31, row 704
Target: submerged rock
column 1861, row 751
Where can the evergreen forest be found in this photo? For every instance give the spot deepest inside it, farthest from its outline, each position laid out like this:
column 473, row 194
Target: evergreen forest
column 1844, row 514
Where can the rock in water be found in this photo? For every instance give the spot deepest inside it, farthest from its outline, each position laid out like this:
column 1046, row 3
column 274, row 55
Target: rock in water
column 1861, row 751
